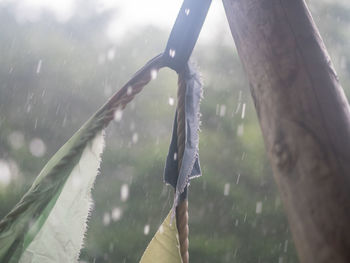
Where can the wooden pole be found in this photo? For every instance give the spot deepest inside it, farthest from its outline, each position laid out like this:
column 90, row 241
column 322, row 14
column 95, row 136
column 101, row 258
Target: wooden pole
column 305, row 121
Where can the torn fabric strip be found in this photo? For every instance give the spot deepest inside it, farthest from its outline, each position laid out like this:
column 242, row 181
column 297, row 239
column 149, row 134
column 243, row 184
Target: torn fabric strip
column 190, row 166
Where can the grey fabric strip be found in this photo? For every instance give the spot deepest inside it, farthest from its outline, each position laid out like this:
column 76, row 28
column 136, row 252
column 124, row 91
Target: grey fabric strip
column 190, row 167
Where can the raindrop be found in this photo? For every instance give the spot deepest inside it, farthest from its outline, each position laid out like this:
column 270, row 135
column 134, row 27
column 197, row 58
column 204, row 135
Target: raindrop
column 161, row 229
column 76, row 181
column 58, row 109
column 172, row 53
column 146, row 230
column 13, row 168
column 238, row 107
column 171, row 101
column 111, row 54
column 280, row 260
column 37, row 147
column 240, row 130
column 222, row 110
column 43, row 92
column 106, row 219
column 226, row 189
column 111, row 247
column 258, row 208
column 238, row 177
column 239, row 101
column 34, row 227
column 154, row 74
column 64, row 120
column 129, row 90
column 285, row 246
column 107, row 90
column 16, row 139
column 5, row 173
column 38, row 67
column 343, row 62
column 187, row 11
column 29, row 108
column 118, row 114
column 116, row 214
column 236, row 222
column 243, row 111
column 124, row 192
column 101, row 59
column 135, row 138
column 277, row 202
column 175, row 156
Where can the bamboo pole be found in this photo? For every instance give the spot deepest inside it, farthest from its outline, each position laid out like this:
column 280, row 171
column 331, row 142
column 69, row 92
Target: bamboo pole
column 305, row 120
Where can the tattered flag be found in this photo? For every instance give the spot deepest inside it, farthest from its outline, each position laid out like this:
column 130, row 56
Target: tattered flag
column 49, row 222
column 190, row 168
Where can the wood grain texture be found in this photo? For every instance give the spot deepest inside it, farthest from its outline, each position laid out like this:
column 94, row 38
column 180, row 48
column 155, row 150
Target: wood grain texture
column 305, row 120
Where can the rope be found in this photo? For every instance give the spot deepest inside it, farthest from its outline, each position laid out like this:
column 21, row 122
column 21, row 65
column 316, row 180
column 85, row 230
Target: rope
column 182, row 208
column 126, row 94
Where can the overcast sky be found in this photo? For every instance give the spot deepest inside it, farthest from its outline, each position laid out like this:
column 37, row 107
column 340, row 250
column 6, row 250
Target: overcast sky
column 129, row 13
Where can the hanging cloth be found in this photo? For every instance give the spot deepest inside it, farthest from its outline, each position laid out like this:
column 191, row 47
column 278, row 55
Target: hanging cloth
column 49, row 222
column 190, row 168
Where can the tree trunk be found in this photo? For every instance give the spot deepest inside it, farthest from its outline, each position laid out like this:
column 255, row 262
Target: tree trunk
column 305, row 120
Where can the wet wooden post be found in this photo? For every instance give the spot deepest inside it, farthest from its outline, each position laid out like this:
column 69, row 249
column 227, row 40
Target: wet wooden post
column 305, row 120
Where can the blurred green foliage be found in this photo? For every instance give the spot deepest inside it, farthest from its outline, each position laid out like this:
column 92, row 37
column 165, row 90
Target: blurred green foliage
column 235, row 211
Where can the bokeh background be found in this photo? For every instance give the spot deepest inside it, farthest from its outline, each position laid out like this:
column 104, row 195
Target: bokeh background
column 60, row 60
